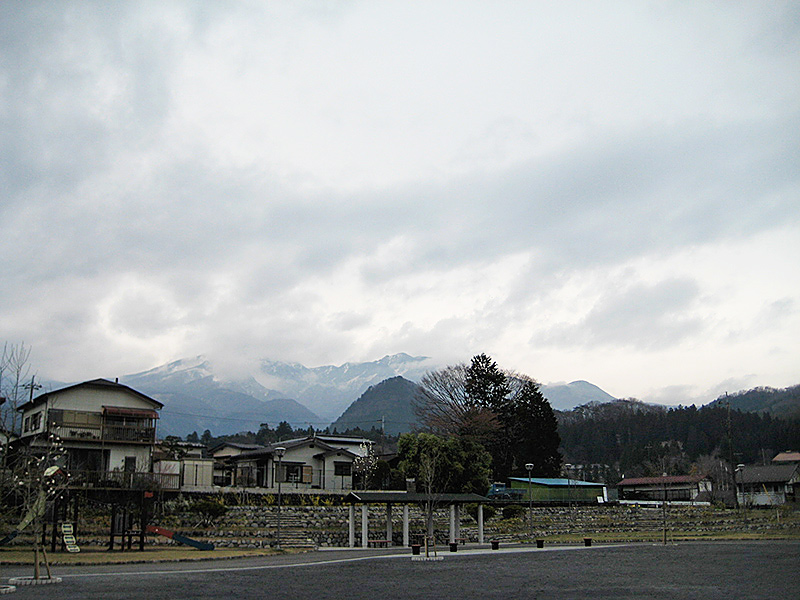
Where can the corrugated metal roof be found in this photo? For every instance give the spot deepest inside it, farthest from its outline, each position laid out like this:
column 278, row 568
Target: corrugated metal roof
column 662, row 480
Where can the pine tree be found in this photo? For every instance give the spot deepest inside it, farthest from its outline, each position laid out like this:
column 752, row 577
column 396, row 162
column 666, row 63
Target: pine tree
column 534, row 433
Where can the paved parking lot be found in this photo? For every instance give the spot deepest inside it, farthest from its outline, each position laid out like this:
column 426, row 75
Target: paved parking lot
column 705, row 570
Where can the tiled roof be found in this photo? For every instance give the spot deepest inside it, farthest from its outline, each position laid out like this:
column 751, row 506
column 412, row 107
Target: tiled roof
column 767, row 474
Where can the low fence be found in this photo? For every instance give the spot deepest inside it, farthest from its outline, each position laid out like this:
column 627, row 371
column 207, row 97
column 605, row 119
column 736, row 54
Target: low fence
column 125, row 480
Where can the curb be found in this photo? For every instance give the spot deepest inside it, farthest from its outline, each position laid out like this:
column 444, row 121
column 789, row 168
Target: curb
column 7, row 589
column 31, row 581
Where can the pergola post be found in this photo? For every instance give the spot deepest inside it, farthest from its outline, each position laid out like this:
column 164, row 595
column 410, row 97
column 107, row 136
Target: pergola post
column 406, row 539
column 352, row 526
column 452, row 523
column 389, row 522
column 480, row 523
column 364, row 526
column 458, row 522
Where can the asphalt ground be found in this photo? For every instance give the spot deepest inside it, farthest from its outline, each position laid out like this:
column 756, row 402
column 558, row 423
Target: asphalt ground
column 691, row 570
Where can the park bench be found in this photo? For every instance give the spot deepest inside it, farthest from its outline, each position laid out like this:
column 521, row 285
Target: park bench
column 379, row 543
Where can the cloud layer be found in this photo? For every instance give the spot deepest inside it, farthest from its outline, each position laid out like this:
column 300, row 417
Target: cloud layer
column 603, row 192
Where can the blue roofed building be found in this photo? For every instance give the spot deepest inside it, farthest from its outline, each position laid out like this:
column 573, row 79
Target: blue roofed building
column 558, row 490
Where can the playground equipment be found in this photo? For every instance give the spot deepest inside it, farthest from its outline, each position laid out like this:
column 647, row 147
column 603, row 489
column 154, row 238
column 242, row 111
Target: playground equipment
column 181, row 539
column 69, row 537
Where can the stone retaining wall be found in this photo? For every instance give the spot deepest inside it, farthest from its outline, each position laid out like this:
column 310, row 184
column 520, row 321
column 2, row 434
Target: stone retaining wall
column 327, row 526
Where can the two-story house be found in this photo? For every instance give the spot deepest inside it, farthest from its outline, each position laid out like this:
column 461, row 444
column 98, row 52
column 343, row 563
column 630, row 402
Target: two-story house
column 107, row 429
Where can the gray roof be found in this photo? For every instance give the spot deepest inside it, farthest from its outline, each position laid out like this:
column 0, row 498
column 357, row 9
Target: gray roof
column 288, row 444
column 400, row 497
column 767, row 474
column 238, row 445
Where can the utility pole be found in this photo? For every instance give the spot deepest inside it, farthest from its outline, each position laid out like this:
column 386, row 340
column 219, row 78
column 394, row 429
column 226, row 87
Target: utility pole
column 730, row 454
column 32, row 386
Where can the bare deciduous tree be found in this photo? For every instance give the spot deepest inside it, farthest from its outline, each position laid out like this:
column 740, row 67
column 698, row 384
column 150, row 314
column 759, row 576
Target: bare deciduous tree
column 444, row 407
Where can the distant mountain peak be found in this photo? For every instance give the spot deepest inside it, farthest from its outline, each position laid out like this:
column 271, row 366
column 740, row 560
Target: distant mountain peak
column 566, row 396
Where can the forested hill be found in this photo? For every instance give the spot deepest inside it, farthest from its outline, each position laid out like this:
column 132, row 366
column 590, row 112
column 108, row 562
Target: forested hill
column 645, row 440
column 776, row 402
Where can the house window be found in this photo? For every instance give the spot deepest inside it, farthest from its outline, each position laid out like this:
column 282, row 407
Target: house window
column 342, row 469
column 32, row 423
column 292, row 473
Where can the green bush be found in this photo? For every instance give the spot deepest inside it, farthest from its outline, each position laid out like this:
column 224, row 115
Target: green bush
column 513, row 511
column 209, row 510
column 488, row 512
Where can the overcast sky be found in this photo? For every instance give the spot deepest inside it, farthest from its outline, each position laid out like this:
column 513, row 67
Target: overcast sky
column 600, row 191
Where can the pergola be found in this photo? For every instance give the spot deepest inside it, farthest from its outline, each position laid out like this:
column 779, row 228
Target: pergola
column 389, row 499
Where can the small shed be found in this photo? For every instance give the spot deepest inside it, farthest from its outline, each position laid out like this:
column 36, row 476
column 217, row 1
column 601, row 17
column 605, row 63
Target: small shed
column 560, row 490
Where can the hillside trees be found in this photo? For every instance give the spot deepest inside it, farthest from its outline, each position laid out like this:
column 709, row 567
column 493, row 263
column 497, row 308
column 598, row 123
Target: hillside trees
column 644, row 442
column 504, row 412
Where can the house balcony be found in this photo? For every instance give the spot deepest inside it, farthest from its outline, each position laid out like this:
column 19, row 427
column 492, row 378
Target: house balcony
column 105, row 433
column 129, row 480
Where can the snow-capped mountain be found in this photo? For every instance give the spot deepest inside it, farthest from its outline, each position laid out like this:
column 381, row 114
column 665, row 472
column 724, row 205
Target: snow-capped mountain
column 329, row 390
column 197, row 397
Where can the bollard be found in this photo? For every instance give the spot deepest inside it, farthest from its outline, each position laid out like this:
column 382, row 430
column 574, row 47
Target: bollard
column 540, row 543
column 495, row 544
column 587, row 541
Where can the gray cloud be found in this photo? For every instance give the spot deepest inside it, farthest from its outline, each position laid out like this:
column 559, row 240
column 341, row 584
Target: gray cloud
column 305, row 183
column 638, row 316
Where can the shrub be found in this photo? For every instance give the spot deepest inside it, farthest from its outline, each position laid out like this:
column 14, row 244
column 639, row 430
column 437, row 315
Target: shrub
column 488, row 512
column 209, row 510
column 513, row 511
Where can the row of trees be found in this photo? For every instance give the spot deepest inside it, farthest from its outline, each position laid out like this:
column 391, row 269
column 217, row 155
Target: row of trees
column 647, row 442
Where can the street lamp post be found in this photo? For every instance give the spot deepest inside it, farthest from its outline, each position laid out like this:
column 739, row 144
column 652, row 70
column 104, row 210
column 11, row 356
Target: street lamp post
column 664, row 505
column 568, row 470
column 738, row 481
column 529, row 467
column 279, row 452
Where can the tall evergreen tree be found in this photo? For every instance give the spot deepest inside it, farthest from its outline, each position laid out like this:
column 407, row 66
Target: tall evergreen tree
column 486, row 385
column 534, row 433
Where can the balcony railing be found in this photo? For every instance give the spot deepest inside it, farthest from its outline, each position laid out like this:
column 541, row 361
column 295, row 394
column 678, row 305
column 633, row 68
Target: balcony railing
column 108, row 433
column 124, row 480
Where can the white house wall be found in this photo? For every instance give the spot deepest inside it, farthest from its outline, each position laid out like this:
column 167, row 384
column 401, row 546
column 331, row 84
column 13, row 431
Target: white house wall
column 118, row 453
column 93, row 400
column 197, row 472
column 333, row 482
